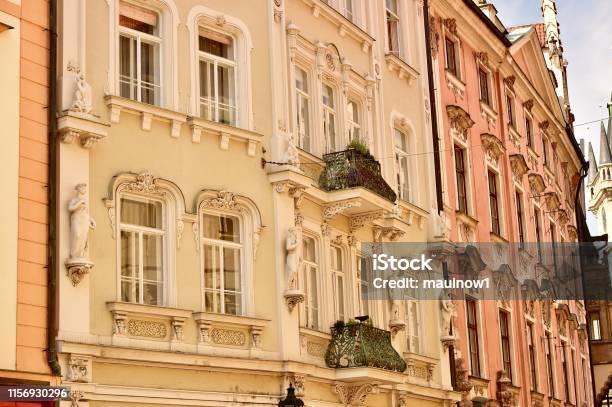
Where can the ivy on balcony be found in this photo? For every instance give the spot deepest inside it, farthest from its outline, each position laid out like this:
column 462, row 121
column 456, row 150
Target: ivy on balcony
column 361, row 345
column 352, row 168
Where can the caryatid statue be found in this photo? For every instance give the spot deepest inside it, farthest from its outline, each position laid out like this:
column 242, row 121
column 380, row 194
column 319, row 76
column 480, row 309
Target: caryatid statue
column 292, row 258
column 80, row 223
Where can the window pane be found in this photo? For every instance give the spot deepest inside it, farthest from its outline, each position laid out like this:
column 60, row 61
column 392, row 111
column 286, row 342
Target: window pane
column 225, row 94
column 340, row 299
column 128, row 262
column 211, row 267
column 152, row 293
column 149, row 72
column 221, row 227
column 328, row 96
column 301, row 80
column 141, row 213
column 309, row 249
column 231, row 269
column 232, row 304
column 212, row 301
column 127, row 66
column 215, row 43
column 152, row 257
column 314, row 299
column 130, row 291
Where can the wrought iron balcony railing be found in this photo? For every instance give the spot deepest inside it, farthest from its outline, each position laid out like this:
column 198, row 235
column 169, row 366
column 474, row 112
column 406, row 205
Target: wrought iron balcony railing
column 351, row 168
column 362, row 345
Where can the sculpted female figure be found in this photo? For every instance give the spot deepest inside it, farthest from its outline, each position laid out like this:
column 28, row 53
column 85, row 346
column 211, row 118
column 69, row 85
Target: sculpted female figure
column 292, row 259
column 80, row 223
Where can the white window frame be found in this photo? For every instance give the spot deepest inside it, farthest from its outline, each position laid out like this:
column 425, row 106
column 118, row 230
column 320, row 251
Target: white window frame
column 168, row 52
column 414, row 337
column 399, row 29
column 403, row 156
column 339, row 279
column 141, row 37
column 300, row 98
column 312, row 267
column 331, row 111
column 352, row 124
column 224, row 62
column 222, row 244
column 140, row 230
column 203, row 17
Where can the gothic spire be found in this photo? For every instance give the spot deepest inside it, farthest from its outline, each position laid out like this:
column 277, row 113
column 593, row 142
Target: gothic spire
column 592, row 165
column 605, row 156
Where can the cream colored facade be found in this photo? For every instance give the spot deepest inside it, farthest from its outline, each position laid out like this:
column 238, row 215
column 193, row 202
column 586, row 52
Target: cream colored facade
column 124, row 338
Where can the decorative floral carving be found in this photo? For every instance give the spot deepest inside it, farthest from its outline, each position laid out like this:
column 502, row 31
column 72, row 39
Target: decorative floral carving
column 459, row 119
column 77, row 270
column 231, row 337
column 518, row 165
column 552, row 201
column 148, row 329
column 536, row 183
column 528, row 105
column 225, row 200
column 451, row 25
column 509, row 81
column 544, row 126
column 483, row 57
column 78, row 369
column 145, row 183
column 336, row 208
column 492, row 146
column 354, row 395
column 359, row 221
column 316, row 349
column 293, row 298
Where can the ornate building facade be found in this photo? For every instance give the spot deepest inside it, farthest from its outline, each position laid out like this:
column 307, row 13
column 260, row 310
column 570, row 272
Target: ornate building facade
column 24, row 260
column 600, row 312
column 511, row 171
column 219, row 164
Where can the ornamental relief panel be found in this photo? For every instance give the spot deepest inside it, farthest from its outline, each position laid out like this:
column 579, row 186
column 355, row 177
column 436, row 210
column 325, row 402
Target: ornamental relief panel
column 147, row 329
column 220, row 336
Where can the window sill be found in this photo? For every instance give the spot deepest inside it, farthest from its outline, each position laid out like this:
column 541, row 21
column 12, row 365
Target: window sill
column 117, row 104
column 225, row 133
column 88, row 128
column 155, row 311
column 455, row 84
column 344, row 25
column 488, row 113
column 401, row 67
column 229, row 330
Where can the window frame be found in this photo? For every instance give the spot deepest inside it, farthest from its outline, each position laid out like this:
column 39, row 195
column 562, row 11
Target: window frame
column 532, row 357
column 340, row 313
column 222, row 244
column 456, row 70
column 520, row 216
column 139, row 36
column 397, row 20
column 511, row 109
column 488, row 100
column 506, row 342
column 330, row 111
column 225, row 62
column 528, row 128
column 311, row 267
column 351, row 124
column 550, row 363
column 140, row 230
column 403, row 156
column 461, row 173
column 300, row 95
column 494, row 197
column 472, row 329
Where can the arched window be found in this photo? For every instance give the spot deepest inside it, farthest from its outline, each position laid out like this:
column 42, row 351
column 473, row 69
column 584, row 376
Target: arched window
column 221, row 70
column 143, row 51
column 228, row 231
column 222, row 263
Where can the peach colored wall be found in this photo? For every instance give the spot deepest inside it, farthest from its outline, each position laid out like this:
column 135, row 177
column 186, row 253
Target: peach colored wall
column 488, row 323
column 30, row 361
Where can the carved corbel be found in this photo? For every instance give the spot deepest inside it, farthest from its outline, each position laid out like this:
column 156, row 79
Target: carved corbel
column 354, row 395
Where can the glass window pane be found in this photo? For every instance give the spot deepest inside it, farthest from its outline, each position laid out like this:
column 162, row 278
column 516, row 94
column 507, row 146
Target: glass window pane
column 328, row 96
column 211, row 267
column 152, row 253
column 301, row 80
column 138, row 18
column 152, row 293
column 149, row 72
column 129, row 291
column 231, row 269
column 141, row 213
column 212, row 301
column 308, row 249
column 225, row 94
column 232, row 304
column 127, row 60
column 221, row 227
column 215, row 43
column 340, row 299
column 128, row 262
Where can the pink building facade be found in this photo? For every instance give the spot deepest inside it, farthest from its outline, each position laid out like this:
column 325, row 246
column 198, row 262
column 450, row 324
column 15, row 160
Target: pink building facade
column 510, row 169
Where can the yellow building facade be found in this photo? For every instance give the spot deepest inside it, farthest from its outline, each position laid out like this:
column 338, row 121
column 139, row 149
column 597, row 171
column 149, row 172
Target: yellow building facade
column 206, row 243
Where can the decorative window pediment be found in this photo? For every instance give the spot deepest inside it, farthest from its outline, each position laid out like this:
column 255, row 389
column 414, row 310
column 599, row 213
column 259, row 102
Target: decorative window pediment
column 492, row 146
column 459, row 119
column 519, row 166
column 536, row 183
column 552, row 201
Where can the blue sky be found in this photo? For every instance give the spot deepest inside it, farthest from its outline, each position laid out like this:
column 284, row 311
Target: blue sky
column 586, row 33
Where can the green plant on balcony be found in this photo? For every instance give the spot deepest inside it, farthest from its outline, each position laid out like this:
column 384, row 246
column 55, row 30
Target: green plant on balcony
column 354, row 167
column 355, row 344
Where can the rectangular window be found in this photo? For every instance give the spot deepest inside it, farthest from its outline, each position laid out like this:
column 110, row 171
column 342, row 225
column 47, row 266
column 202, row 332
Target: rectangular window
column 337, row 269
column 393, row 26
column 549, row 364
column 538, row 231
column 217, row 77
column 401, row 159
column 504, row 328
column 222, row 264
column 302, row 108
column 329, row 119
column 545, row 150
column 472, row 324
column 142, row 232
column 139, row 54
column 494, row 203
column 510, row 111
column 483, row 80
column 595, row 326
column 364, row 286
column 529, row 131
column 566, row 383
column 311, row 289
column 353, row 120
column 413, row 326
column 452, row 64
column 533, row 373
column 460, row 173
column 519, row 218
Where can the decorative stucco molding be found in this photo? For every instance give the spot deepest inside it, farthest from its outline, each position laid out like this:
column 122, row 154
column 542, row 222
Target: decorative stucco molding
column 354, row 395
column 519, row 166
column 493, row 147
